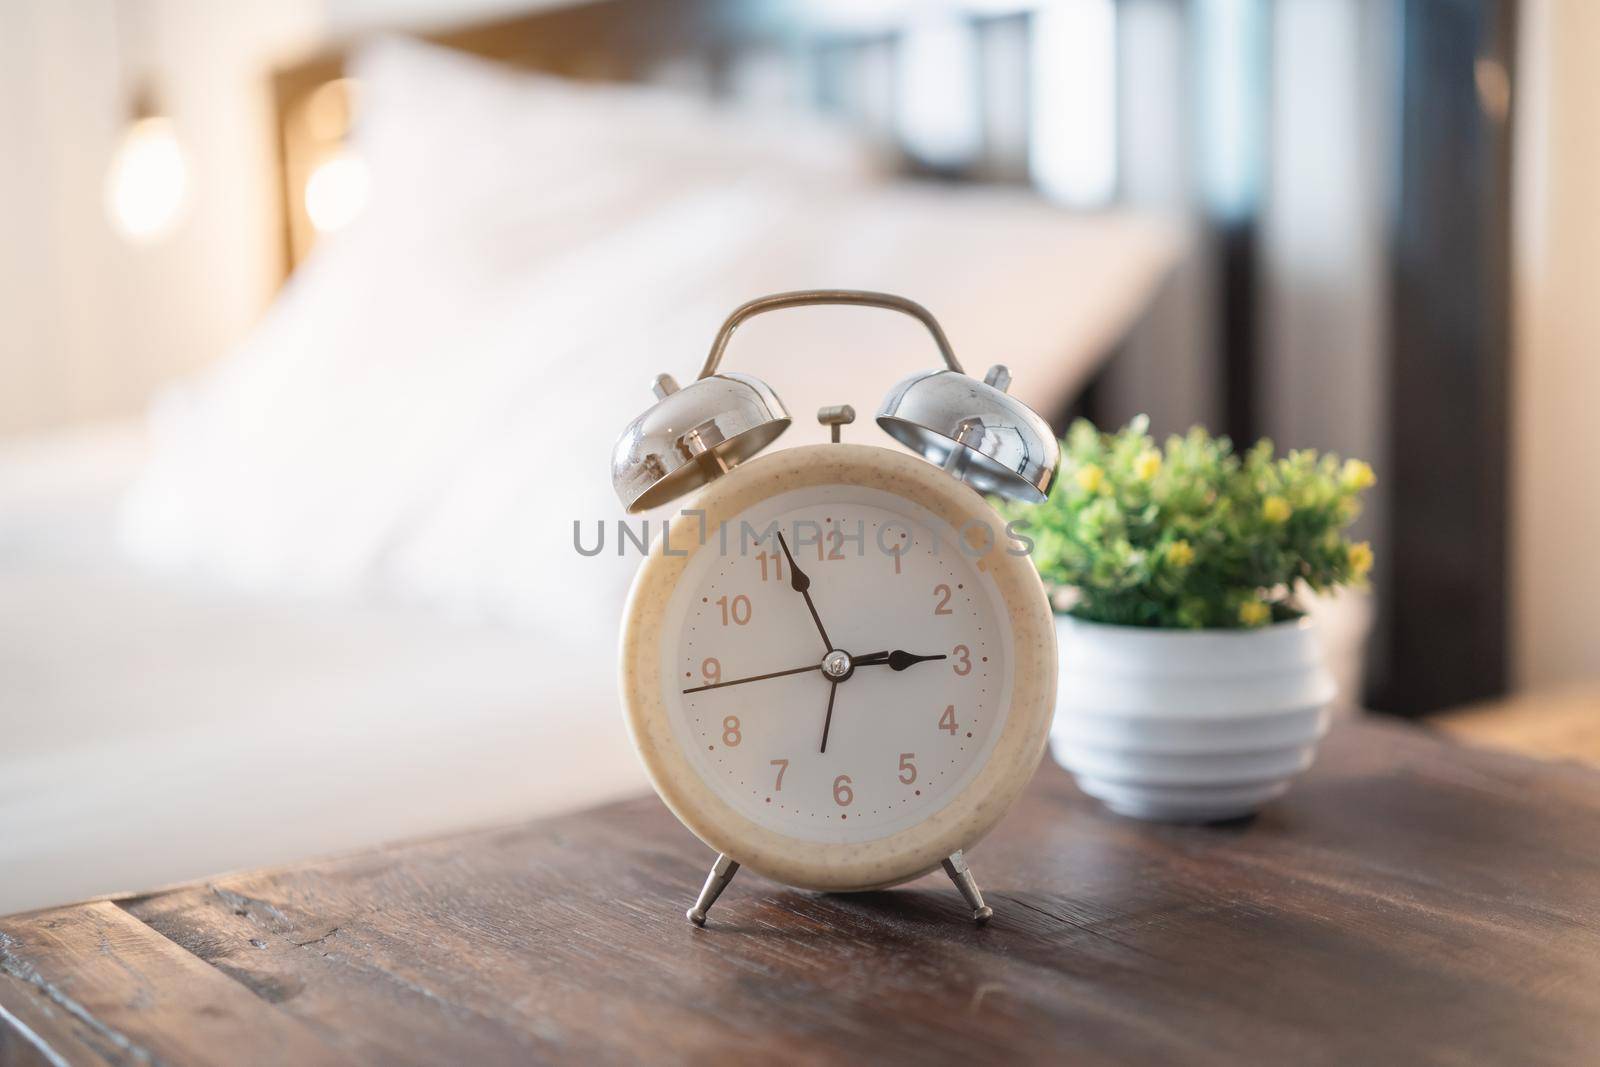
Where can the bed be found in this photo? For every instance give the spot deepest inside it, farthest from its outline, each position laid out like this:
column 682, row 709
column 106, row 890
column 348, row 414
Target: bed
column 305, row 604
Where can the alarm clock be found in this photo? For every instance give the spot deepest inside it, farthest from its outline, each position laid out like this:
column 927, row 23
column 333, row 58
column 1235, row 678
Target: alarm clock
column 837, row 666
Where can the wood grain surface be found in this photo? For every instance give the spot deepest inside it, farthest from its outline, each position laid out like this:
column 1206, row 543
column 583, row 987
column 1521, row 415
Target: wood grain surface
column 1409, row 901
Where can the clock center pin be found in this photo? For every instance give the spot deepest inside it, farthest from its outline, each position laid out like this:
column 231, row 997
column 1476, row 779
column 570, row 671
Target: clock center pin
column 837, row 666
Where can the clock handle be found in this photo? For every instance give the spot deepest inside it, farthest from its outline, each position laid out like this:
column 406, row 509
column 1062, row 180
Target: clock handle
column 806, row 297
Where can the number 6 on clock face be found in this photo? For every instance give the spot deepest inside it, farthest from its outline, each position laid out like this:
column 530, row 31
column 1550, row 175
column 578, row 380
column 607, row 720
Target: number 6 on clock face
column 837, row 692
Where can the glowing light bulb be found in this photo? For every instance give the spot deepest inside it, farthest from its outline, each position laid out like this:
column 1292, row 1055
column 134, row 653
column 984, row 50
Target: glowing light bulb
column 148, row 181
column 337, row 191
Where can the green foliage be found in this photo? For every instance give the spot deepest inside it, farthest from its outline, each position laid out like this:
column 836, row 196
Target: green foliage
column 1193, row 535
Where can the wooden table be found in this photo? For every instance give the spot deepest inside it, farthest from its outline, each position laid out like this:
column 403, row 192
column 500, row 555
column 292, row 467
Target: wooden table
column 1408, row 901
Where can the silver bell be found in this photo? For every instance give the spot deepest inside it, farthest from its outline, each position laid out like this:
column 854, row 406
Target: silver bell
column 692, row 435
column 993, row 442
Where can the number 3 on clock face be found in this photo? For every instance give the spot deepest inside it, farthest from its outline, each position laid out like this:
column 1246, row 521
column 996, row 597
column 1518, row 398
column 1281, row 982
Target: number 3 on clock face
column 833, row 688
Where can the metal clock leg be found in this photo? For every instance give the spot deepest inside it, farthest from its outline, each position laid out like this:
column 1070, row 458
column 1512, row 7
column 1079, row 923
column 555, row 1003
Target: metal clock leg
column 956, row 867
column 722, row 873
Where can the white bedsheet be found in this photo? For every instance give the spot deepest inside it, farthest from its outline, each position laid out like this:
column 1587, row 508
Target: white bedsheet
column 153, row 730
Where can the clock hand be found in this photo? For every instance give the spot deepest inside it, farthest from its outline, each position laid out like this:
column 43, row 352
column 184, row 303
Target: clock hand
column 801, row 583
column 827, row 723
column 871, row 657
column 752, row 678
column 898, row 660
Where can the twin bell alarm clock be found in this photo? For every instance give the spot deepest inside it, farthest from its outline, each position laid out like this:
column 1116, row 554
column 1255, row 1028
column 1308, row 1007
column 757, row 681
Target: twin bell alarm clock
column 838, row 669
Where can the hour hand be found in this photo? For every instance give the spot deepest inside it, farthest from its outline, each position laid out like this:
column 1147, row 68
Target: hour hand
column 799, row 580
column 898, row 660
column 801, row 583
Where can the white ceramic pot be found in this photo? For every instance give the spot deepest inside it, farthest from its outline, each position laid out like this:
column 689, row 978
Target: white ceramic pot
column 1188, row 725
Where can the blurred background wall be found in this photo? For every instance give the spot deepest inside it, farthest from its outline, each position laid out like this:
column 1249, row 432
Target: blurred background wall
column 1556, row 382
column 93, row 323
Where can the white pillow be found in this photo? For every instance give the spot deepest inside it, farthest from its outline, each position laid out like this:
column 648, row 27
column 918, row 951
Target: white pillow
column 433, row 400
column 496, row 168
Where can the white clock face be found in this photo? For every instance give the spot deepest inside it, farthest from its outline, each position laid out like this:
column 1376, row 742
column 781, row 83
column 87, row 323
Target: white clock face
column 920, row 642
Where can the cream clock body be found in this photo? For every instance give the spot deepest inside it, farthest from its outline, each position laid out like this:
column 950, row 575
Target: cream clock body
column 836, row 666
column 825, row 782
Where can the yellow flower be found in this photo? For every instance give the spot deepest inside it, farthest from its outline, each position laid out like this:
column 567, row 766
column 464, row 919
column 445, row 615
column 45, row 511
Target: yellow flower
column 1147, row 465
column 1360, row 558
column 1089, row 477
column 1254, row 613
column 1358, row 475
column 1180, row 554
column 1276, row 510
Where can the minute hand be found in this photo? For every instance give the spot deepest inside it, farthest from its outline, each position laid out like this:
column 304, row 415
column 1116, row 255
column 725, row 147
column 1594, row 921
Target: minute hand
column 898, row 660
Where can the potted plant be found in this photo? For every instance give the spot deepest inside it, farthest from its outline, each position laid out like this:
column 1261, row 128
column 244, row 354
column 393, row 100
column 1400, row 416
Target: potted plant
column 1192, row 686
